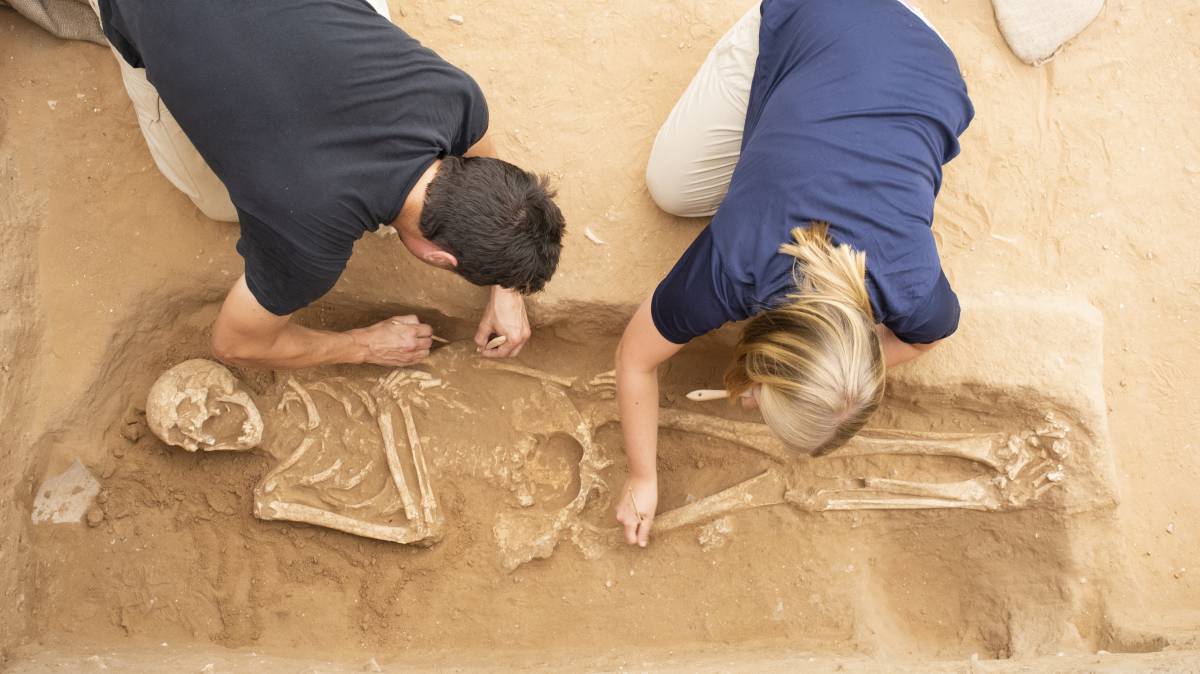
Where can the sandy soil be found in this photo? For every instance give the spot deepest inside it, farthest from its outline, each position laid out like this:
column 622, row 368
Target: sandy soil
column 1077, row 177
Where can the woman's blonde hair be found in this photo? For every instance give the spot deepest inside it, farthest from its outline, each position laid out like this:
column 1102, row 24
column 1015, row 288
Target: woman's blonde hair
column 816, row 358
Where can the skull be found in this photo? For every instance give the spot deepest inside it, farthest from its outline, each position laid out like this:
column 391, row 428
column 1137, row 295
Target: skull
column 198, row 404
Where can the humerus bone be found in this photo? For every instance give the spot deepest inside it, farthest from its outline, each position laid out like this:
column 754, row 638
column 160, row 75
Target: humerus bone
column 297, row 512
column 429, row 504
column 384, row 419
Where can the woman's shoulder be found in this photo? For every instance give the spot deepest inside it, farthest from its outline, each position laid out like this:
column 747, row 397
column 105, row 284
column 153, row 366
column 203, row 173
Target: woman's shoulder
column 924, row 316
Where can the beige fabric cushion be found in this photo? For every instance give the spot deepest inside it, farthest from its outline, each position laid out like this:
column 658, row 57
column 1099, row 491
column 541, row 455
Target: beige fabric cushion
column 1036, row 29
column 70, row 19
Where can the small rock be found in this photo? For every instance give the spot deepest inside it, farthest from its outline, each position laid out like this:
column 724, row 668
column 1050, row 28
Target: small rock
column 210, row 668
column 132, row 431
column 373, row 666
column 1170, row 527
column 456, row 19
column 95, row 516
column 53, row 105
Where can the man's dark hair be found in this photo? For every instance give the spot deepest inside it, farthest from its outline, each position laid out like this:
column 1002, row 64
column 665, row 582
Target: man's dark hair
column 499, row 221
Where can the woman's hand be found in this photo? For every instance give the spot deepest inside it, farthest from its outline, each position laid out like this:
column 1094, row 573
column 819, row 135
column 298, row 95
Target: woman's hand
column 636, row 506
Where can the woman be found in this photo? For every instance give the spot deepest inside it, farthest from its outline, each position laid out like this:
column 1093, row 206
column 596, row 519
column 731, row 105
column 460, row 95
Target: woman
column 815, row 135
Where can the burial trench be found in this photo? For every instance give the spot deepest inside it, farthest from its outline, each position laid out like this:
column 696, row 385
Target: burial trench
column 173, row 552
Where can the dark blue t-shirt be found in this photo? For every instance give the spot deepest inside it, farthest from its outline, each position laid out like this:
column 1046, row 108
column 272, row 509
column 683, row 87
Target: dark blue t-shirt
column 319, row 117
column 854, row 108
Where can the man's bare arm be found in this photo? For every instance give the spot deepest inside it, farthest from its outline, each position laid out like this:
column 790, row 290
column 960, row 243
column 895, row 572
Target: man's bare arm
column 247, row 334
column 896, row 351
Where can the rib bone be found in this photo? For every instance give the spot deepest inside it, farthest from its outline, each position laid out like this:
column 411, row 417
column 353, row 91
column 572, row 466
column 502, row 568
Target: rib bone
column 271, row 479
column 310, row 409
column 323, row 387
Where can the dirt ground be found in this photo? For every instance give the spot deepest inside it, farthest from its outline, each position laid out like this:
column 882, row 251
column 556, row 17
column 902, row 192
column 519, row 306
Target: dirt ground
column 1078, row 177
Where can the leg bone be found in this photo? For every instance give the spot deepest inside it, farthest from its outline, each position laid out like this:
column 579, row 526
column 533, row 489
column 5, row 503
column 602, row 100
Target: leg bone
column 565, row 382
column 310, row 409
column 747, row 434
column 766, row 489
column 978, row 448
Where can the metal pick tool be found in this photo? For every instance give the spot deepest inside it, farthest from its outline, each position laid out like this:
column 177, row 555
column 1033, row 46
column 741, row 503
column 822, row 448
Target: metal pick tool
column 636, row 510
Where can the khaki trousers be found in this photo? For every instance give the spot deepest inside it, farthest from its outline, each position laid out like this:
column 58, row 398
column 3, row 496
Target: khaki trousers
column 697, row 148
column 173, row 153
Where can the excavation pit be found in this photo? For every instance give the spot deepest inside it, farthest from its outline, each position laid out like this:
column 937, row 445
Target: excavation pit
column 179, row 557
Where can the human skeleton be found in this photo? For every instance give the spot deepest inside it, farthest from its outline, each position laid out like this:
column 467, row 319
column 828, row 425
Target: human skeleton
column 346, row 469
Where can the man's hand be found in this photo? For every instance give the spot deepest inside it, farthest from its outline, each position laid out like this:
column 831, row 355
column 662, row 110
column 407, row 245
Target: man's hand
column 247, row 334
column 400, row 340
column 505, row 316
column 636, row 504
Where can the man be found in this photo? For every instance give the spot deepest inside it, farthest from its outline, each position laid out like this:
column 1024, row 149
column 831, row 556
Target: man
column 310, row 124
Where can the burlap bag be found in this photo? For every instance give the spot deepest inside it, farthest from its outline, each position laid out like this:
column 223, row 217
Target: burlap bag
column 70, row 19
column 1036, row 29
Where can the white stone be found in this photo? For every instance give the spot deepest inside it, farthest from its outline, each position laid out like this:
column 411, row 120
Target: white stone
column 1035, row 29
column 66, row 497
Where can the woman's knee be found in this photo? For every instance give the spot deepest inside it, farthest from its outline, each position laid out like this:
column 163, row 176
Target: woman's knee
column 673, row 186
column 666, row 189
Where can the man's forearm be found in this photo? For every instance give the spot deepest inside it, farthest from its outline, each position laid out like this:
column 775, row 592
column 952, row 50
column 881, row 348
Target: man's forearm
column 293, row 348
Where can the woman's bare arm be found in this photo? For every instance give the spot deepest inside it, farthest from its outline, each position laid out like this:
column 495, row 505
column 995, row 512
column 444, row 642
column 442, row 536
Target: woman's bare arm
column 641, row 351
column 896, row 351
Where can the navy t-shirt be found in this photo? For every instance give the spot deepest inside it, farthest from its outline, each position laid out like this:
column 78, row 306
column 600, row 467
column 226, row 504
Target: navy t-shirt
column 854, row 108
column 319, row 117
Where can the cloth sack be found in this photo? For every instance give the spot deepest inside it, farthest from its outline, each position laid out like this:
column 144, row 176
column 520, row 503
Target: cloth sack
column 70, row 19
column 1036, row 29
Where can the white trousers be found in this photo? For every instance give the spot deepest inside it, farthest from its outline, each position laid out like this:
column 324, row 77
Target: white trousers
column 173, row 153
column 697, row 148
